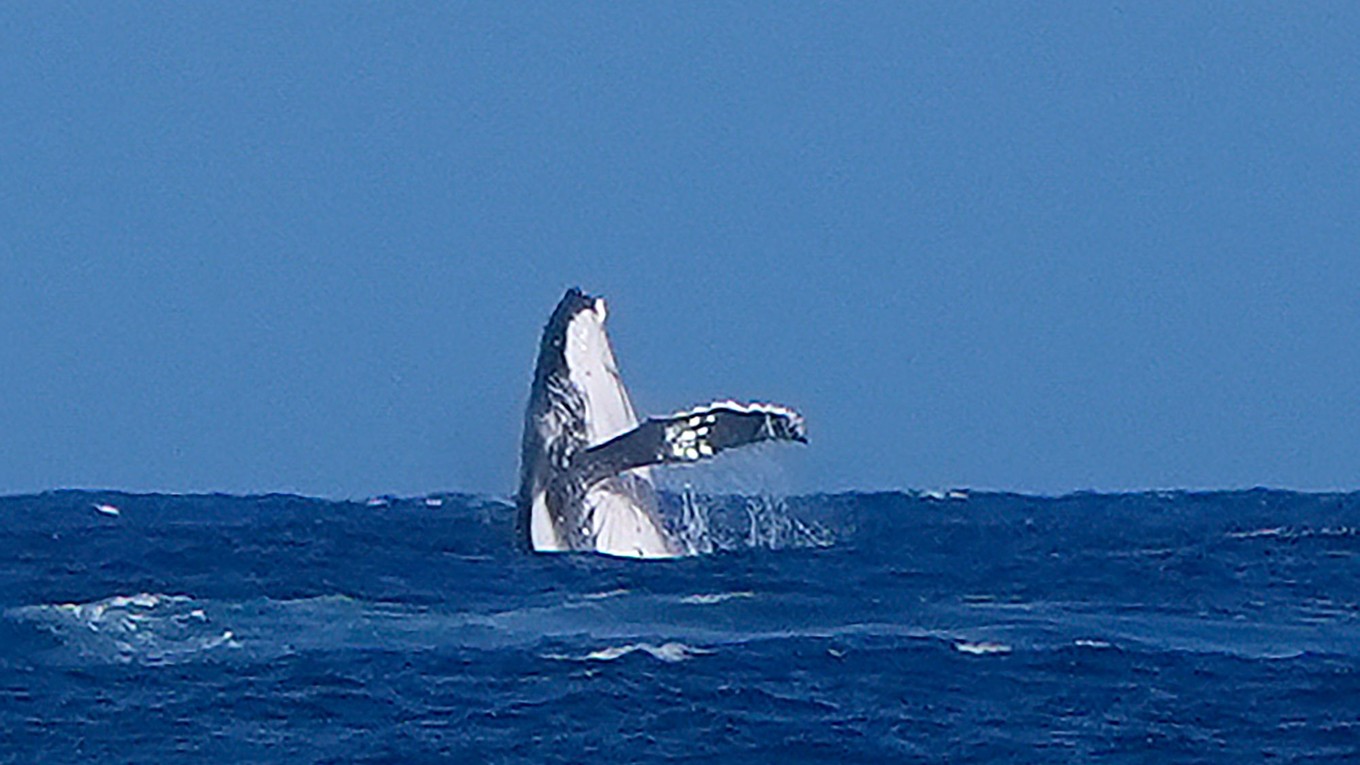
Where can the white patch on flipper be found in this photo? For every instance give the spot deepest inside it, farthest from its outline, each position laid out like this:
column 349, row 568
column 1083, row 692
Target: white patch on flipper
column 706, row 412
column 689, row 441
column 737, row 406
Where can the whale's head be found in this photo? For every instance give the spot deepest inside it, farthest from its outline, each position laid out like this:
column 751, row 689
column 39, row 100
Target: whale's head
column 576, row 348
column 576, row 327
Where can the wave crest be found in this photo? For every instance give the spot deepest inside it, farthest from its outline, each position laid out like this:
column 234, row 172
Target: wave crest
column 670, row 653
column 150, row 628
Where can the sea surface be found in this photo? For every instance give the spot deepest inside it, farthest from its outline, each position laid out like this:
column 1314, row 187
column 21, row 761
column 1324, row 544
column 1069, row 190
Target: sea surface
column 1160, row 627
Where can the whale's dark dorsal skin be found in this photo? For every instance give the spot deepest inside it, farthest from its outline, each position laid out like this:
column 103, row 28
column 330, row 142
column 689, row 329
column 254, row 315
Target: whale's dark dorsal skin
column 584, row 482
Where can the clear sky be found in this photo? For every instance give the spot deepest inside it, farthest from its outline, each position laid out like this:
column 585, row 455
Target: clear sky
column 1035, row 246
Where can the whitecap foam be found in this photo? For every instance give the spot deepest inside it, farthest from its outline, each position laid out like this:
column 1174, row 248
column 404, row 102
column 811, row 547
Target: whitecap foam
column 145, row 627
column 1292, row 533
column 668, row 652
column 1255, row 533
column 605, row 594
column 983, row 648
column 708, row 599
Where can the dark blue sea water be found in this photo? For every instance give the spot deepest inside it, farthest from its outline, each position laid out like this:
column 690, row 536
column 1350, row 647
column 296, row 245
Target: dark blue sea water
column 1149, row 628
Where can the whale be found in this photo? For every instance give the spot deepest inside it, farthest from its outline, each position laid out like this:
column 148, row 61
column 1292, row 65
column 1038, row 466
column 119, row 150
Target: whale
column 586, row 460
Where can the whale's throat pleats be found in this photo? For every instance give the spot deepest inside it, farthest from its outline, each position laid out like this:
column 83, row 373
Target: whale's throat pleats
column 592, row 369
column 619, row 514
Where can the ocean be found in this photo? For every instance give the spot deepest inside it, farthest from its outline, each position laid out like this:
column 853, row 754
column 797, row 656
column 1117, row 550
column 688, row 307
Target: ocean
column 964, row 627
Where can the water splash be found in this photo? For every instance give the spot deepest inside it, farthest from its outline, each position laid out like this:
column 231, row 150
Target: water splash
column 773, row 527
column 707, row 523
column 692, row 528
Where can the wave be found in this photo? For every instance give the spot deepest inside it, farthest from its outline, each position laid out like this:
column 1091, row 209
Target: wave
column 710, row 599
column 606, row 594
column 158, row 628
column 146, row 627
column 670, row 653
column 702, row 523
column 984, row 648
column 1297, row 533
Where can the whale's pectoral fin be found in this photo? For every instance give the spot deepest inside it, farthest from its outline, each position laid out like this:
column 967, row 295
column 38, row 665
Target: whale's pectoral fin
column 689, row 437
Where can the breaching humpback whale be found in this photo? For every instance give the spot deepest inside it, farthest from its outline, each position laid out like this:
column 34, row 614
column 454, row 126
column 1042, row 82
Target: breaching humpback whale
column 584, row 479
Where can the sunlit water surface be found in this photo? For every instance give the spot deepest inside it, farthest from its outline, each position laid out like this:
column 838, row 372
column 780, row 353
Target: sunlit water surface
column 1154, row 627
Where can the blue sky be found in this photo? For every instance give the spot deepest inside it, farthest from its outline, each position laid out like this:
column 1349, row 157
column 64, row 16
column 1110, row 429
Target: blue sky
column 1044, row 247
